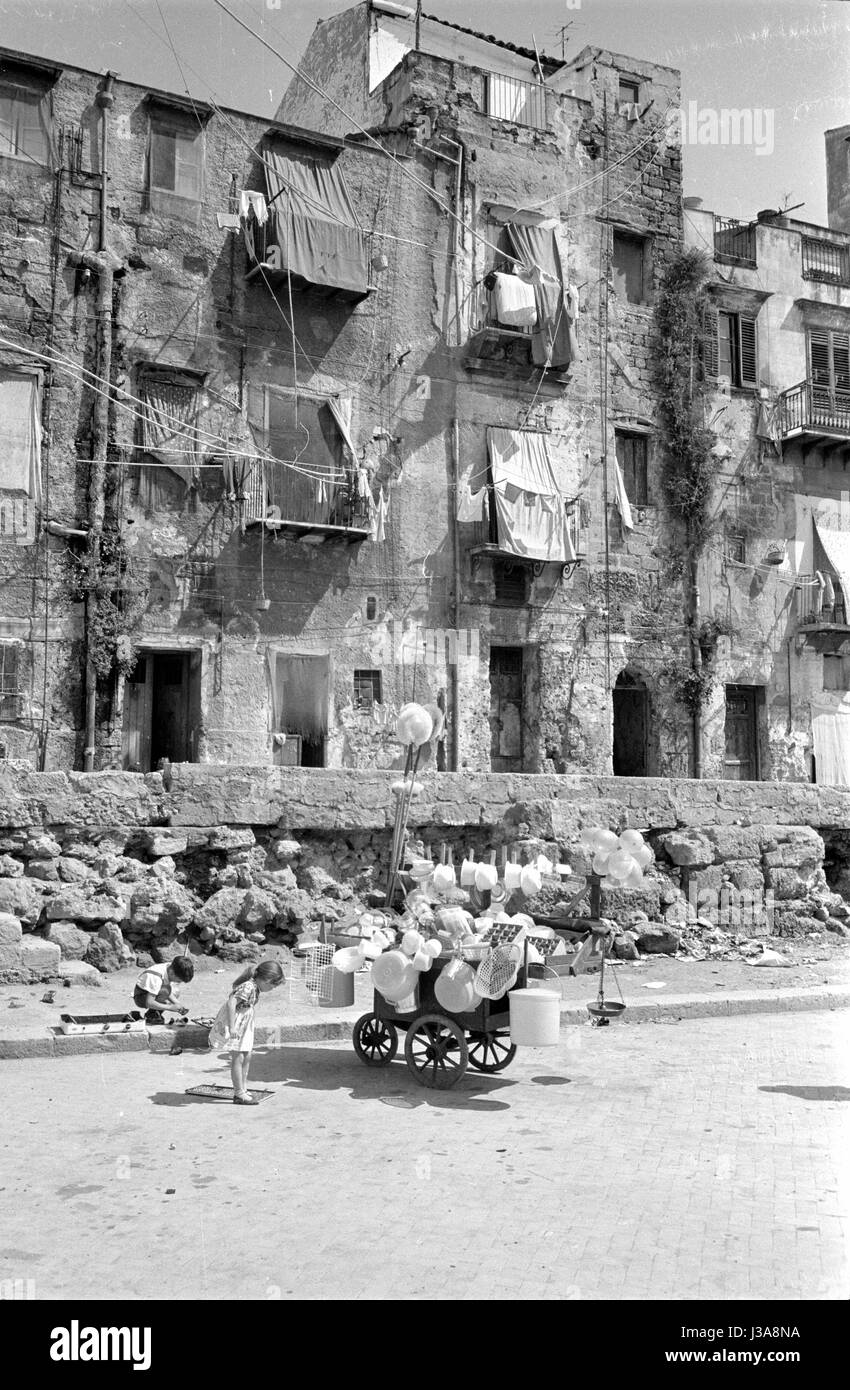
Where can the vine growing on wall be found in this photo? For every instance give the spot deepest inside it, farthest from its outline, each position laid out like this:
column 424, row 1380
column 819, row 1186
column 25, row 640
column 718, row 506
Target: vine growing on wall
column 687, row 468
column 120, row 598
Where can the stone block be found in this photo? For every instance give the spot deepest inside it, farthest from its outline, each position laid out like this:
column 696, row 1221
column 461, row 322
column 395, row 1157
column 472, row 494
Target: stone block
column 11, row 931
column 159, row 843
column 45, row 869
column 21, row 898
column 735, row 842
column 76, row 904
column 41, row 846
column 10, row 867
column 78, row 1044
column 688, row 847
column 71, row 940
column 285, row 850
column 220, row 911
column 79, row 972
column 656, row 938
column 39, row 955
column 228, row 838
column 789, row 883
column 25, row 1047
column 71, row 870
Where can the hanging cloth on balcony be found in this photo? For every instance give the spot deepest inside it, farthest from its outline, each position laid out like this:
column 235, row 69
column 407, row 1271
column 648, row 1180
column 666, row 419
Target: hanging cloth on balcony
column 836, row 546
column 514, row 301
column 470, row 505
column 313, row 220
column 831, row 740
column 340, row 408
column 552, row 343
column 530, row 514
column 169, row 425
column 253, row 202
column 621, row 498
column 20, row 414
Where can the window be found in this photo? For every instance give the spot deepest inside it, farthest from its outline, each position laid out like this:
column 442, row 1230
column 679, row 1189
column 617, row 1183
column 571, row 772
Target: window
column 629, row 267
column 371, row 608
column 168, row 427
column 829, row 360
column 511, row 99
column 20, row 432
column 510, row 586
column 836, row 672
column 628, row 90
column 9, row 692
column 632, row 454
column 23, row 129
column 730, row 348
column 176, row 162
column 736, row 548
column 367, row 689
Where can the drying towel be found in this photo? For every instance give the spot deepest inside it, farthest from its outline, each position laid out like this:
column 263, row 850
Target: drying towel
column 514, row 301
column 621, row 499
column 248, row 200
column 470, row 505
column 379, row 519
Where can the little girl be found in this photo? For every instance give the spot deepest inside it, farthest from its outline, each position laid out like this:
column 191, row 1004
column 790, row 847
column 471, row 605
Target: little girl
column 234, row 1024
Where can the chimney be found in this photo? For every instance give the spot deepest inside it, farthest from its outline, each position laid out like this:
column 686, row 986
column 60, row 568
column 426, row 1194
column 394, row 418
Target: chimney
column 838, row 178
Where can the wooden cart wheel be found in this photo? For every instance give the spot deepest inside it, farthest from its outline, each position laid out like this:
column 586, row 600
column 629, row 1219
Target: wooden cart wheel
column 491, row 1052
column 435, row 1051
column 375, row 1040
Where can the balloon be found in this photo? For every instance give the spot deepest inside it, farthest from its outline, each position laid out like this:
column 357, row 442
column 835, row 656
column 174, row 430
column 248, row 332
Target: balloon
column 631, row 840
column 644, row 856
column 634, row 877
column 611, row 883
column 606, row 840
column 414, row 725
column 619, row 863
column 349, row 959
column 600, row 863
column 587, row 839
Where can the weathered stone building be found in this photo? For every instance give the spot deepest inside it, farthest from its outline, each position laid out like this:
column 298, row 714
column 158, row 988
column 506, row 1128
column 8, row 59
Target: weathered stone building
column 344, row 457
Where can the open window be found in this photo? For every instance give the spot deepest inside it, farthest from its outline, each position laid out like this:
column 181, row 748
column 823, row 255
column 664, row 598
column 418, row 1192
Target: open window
column 633, row 458
column 730, row 347
column 10, row 693
column 176, row 151
column 630, row 264
column 20, row 453
column 167, row 432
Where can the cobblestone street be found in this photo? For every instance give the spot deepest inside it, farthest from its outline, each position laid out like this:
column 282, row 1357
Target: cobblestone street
column 693, row 1160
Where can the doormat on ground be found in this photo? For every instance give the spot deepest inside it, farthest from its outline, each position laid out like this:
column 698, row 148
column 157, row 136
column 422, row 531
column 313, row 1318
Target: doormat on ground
column 224, row 1092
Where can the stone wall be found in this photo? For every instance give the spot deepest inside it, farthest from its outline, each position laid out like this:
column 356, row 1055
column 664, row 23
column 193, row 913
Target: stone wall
column 107, row 869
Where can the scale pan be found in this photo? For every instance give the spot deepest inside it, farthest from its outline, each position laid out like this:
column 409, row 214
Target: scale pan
column 607, row 1010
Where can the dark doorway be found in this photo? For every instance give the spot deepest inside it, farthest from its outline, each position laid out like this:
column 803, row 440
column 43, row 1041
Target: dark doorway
column 302, row 705
column 741, row 762
column 506, row 712
column 631, row 726
column 162, row 709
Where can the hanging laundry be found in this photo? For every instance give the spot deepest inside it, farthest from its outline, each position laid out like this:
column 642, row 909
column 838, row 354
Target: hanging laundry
column 828, row 592
column 470, row 505
column 766, row 426
column 379, row 519
column 250, row 201
column 514, row 302
column 364, row 491
column 621, row 499
column 571, row 312
column 236, row 474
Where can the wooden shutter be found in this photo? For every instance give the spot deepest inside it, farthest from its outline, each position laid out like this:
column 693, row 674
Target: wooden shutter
column 709, row 342
column 747, row 363
column 819, row 356
column 841, row 360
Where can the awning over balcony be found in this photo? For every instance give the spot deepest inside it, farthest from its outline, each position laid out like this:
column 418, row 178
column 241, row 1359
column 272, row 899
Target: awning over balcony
column 313, row 223
column 530, row 514
column 836, row 546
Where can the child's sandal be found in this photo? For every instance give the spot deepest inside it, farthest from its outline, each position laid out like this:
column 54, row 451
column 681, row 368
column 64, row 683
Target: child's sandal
column 245, row 1100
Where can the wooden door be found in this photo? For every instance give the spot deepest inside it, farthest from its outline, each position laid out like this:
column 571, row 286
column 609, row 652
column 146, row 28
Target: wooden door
column 506, row 713
column 741, row 761
column 170, row 725
column 137, row 716
column 631, row 725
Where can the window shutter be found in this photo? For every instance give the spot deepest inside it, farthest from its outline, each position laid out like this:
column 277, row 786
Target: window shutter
column 747, row 350
column 709, row 342
column 819, row 356
column 841, row 360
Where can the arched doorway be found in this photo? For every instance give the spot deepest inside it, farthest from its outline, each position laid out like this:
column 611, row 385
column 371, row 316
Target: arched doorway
column 631, row 726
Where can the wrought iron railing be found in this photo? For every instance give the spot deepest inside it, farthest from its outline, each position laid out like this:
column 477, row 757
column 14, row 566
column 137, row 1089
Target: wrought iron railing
column 812, row 609
column 511, row 99
column 826, row 261
column 280, row 494
column 734, row 241
column 809, row 406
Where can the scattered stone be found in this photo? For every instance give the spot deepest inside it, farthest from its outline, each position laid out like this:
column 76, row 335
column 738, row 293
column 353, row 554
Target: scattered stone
column 657, row 939
column 10, row 867
column 43, row 846
column 159, row 909
column 164, row 867
column 164, row 843
column 39, row 955
column 221, row 910
column 239, row 950
column 257, row 910
column 79, row 972
column 690, row 847
column 45, row 869
column 71, row 940
column 287, row 850
column 72, row 870
column 228, row 838
column 75, row 904
column 21, row 898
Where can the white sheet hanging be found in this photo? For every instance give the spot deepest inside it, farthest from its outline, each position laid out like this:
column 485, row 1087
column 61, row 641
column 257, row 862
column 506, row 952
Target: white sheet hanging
column 836, row 546
column 341, row 409
column 514, row 301
column 20, row 457
column 530, row 514
column 621, row 498
column 831, row 739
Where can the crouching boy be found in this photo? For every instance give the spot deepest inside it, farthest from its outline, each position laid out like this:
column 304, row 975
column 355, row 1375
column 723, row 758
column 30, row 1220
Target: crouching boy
column 158, row 988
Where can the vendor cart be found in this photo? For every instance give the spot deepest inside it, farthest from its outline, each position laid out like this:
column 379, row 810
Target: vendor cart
column 438, row 1046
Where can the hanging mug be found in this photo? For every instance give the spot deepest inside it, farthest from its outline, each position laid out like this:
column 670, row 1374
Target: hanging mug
column 467, row 873
column 513, row 874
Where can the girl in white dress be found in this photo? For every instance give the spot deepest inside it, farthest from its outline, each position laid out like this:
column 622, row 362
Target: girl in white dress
column 234, row 1023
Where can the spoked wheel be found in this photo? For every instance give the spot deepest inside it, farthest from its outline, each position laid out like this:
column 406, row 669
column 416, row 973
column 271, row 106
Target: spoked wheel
column 435, row 1051
column 491, row 1051
column 375, row 1040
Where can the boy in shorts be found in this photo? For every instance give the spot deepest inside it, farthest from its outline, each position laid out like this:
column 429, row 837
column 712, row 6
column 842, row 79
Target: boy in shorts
column 158, row 988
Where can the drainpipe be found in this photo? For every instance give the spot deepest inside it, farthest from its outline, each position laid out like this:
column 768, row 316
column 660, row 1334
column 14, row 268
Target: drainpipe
column 453, row 670
column 105, row 265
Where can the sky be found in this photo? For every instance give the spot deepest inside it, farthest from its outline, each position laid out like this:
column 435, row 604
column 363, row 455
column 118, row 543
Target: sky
column 786, row 61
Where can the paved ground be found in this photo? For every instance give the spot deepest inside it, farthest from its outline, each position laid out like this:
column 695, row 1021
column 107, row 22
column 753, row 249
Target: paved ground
column 692, row 1160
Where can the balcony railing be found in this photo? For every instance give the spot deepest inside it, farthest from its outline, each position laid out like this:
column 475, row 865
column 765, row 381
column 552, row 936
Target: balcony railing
column 808, row 408
column 811, row 609
column 287, row 500
column 826, row 261
column 510, row 99
column 734, row 241
column 267, row 263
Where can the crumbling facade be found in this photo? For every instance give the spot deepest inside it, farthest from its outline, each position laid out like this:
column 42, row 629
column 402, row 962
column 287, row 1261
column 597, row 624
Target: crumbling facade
column 291, row 443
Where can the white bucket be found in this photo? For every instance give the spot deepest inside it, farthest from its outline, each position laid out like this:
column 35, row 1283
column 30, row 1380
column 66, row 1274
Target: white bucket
column 535, row 1017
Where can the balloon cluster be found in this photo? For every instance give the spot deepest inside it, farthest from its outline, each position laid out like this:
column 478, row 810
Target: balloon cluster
column 619, row 860
column 416, row 724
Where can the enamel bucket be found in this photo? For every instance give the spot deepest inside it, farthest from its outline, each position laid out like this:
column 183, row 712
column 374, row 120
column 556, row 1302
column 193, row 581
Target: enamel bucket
column 336, row 988
column 535, row 1017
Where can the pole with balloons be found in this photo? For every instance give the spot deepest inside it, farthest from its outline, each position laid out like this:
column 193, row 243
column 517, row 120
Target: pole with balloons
column 415, row 726
column 616, row 861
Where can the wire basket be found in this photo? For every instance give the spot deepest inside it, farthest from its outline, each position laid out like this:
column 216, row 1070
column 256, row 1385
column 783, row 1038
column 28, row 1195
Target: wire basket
column 310, row 981
column 498, row 971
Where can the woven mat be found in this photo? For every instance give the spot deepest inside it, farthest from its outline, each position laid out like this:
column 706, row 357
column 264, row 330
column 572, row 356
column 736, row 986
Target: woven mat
column 224, row 1092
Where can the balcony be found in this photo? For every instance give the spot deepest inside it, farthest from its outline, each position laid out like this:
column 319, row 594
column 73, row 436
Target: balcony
column 511, row 99
column 817, row 416
column 734, row 242
column 815, row 616
column 502, row 351
column 826, row 261
column 304, row 509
